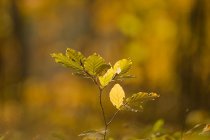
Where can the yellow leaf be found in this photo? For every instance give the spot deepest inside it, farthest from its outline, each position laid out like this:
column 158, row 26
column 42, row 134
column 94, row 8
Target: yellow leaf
column 107, row 77
column 117, row 96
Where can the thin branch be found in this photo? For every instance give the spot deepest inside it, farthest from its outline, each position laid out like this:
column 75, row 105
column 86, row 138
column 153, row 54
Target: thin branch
column 103, row 113
column 115, row 114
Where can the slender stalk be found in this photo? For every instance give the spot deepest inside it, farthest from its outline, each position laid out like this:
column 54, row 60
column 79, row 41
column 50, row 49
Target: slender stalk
column 115, row 114
column 103, row 113
column 106, row 124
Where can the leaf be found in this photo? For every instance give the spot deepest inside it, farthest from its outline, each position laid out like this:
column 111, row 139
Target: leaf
column 158, row 125
column 142, row 97
column 133, row 108
column 117, row 96
column 107, row 77
column 95, row 65
column 134, row 103
column 122, row 66
column 120, row 78
column 72, row 59
column 75, row 56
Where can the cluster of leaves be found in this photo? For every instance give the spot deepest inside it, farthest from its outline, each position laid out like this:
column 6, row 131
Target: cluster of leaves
column 102, row 74
column 133, row 103
column 94, row 66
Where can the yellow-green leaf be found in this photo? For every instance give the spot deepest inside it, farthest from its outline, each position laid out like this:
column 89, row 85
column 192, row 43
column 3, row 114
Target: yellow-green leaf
column 122, row 66
column 117, row 96
column 95, row 64
column 72, row 59
column 107, row 77
column 142, row 97
column 75, row 56
column 135, row 102
column 65, row 61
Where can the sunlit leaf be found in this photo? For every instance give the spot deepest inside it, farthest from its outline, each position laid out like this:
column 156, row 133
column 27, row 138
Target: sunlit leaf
column 122, row 66
column 117, row 96
column 75, row 56
column 142, row 97
column 107, row 77
column 122, row 77
column 95, row 64
column 134, row 103
column 134, row 107
column 71, row 59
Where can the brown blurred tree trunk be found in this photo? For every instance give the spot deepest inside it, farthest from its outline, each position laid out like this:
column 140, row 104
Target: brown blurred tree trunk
column 13, row 56
column 190, row 53
column 20, row 36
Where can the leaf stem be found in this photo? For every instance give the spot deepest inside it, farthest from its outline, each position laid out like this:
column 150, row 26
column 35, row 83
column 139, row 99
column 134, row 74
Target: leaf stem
column 115, row 114
column 113, row 117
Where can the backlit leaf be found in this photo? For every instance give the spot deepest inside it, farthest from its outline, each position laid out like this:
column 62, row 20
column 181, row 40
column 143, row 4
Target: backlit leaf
column 117, row 96
column 65, row 61
column 71, row 59
column 107, row 77
column 134, row 103
column 122, row 77
column 142, row 97
column 95, row 64
column 75, row 56
column 122, row 66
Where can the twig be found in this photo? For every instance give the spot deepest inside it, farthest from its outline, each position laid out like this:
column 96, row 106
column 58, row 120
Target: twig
column 103, row 113
column 113, row 117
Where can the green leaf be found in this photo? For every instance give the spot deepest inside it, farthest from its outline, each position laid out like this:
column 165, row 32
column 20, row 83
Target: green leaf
column 95, row 65
column 117, row 96
column 122, row 66
column 71, row 59
column 122, row 77
column 158, row 125
column 107, row 77
column 75, row 56
column 135, row 107
column 142, row 97
column 134, row 103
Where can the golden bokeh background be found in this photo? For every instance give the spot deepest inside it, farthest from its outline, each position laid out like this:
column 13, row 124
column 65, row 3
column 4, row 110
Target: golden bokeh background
column 167, row 40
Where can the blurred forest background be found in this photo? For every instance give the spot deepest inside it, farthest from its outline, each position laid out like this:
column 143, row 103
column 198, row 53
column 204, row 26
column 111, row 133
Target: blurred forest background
column 167, row 40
